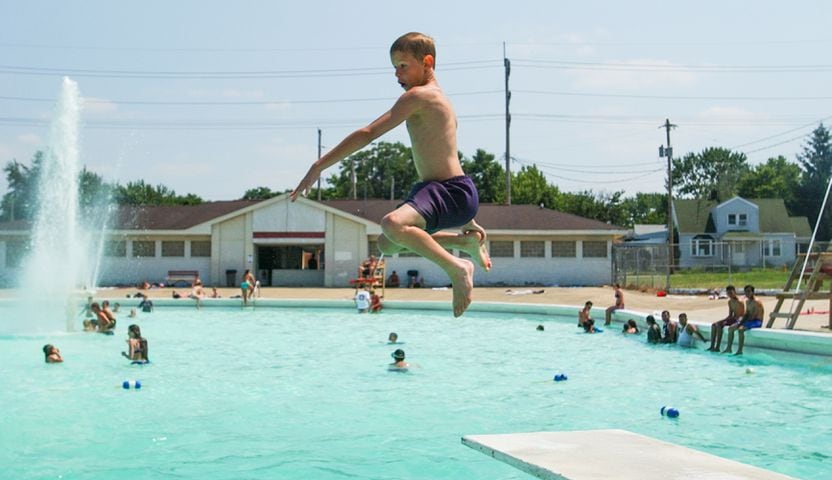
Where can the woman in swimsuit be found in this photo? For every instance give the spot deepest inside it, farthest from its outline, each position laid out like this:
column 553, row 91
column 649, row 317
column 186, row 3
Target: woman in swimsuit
column 136, row 345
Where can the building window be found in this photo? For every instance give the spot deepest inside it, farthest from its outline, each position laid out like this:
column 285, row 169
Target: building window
column 564, row 249
column 502, row 248
column 15, row 251
column 532, row 249
column 115, row 248
column 702, row 246
column 173, row 249
column 372, row 248
column 144, row 248
column 594, row 249
column 737, row 219
column 772, row 248
column 201, row 248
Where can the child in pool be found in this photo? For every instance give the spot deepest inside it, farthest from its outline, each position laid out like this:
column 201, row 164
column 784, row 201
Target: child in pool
column 52, row 354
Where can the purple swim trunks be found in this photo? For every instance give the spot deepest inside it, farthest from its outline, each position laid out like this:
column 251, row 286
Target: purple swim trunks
column 449, row 203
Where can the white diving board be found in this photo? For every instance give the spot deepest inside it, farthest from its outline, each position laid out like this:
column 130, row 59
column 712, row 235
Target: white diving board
column 609, row 454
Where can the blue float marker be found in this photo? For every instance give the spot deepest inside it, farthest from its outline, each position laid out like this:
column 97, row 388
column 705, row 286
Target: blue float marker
column 670, row 412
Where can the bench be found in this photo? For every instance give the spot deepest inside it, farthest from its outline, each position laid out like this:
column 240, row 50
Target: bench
column 176, row 276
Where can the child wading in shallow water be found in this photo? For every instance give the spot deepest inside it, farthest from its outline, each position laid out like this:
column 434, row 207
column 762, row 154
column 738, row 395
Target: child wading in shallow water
column 445, row 197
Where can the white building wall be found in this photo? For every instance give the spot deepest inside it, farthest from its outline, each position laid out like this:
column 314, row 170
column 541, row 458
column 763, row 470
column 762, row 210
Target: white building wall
column 284, row 216
column 344, row 249
column 230, row 248
column 130, row 270
column 517, row 270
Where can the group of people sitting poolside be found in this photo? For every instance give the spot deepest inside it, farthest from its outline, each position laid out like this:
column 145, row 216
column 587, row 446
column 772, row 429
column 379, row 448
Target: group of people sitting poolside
column 741, row 318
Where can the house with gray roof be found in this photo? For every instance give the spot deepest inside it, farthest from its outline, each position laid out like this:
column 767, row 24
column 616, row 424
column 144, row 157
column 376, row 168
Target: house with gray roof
column 738, row 232
column 310, row 243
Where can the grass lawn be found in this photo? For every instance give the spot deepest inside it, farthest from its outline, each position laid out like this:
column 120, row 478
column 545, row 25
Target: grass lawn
column 761, row 278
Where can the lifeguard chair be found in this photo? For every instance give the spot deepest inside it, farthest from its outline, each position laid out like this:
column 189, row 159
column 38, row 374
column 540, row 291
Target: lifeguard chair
column 819, row 268
column 375, row 279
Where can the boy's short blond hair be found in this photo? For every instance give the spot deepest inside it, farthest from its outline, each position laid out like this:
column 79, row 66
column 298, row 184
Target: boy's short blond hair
column 417, row 44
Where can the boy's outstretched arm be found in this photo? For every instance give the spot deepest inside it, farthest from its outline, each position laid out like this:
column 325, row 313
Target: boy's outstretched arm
column 405, row 105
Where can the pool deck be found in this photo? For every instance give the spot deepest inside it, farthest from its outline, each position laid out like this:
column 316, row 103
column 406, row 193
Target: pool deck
column 609, row 454
column 699, row 308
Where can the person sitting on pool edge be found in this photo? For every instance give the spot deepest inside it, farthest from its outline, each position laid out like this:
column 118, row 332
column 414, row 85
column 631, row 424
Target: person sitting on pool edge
column 52, row 354
column 735, row 311
column 399, row 363
column 136, row 345
column 753, row 318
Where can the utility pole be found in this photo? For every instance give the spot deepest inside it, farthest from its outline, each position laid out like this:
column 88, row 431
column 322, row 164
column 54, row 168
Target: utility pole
column 668, row 152
column 319, row 157
column 354, row 183
column 507, row 65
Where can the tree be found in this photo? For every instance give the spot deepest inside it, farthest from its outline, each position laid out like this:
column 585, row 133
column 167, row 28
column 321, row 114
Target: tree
column 488, row 175
column 604, row 207
column 816, row 160
column 777, row 178
column 710, row 175
column 140, row 193
column 529, row 186
column 259, row 193
column 20, row 201
column 93, row 193
column 378, row 170
column 649, row 208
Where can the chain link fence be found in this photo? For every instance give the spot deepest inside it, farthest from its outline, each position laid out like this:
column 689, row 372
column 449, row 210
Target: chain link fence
column 648, row 265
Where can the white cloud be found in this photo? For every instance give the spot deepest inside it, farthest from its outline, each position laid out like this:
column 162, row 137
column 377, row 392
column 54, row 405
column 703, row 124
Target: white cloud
column 99, row 105
column 29, row 139
column 726, row 113
column 633, row 75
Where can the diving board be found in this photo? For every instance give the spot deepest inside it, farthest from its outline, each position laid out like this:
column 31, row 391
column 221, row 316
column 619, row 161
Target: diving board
column 609, row 454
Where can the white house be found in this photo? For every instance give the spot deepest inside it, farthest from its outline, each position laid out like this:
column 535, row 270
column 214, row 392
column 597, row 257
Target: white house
column 309, row 243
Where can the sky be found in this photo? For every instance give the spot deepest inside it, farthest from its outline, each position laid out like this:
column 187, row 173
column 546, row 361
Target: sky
column 214, row 98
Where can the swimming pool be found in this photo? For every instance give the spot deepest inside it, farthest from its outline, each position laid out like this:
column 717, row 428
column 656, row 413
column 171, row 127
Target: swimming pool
column 305, row 393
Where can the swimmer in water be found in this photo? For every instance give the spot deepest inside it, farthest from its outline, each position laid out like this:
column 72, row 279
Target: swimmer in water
column 52, row 354
column 136, row 345
column 399, row 363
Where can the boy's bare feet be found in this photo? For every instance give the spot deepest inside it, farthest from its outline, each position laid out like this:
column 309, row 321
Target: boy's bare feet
column 463, row 284
column 475, row 246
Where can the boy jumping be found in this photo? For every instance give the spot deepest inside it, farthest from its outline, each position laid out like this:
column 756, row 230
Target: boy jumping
column 445, row 197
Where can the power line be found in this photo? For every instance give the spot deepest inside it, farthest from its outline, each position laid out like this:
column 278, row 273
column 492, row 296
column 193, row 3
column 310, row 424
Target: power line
column 781, row 133
column 658, row 67
column 232, row 102
column 673, row 97
column 560, row 166
column 213, row 75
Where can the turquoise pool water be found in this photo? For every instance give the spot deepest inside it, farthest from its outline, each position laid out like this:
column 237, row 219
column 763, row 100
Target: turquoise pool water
column 305, row 393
